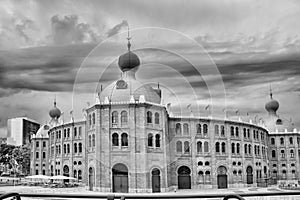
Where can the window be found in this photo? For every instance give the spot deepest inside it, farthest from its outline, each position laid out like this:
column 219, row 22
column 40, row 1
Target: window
column 80, row 147
column 149, row 117
column 206, row 149
column 75, row 132
column 36, row 172
column 207, row 176
column 37, row 155
column 44, row 154
column 68, row 148
column 249, row 149
column 79, row 175
column 124, row 140
column 75, row 174
column 114, row 117
column 65, row 148
column 248, row 133
column 237, row 131
column 232, row 131
column 115, row 139
column 90, row 120
column 179, row 147
column 68, row 133
column 216, row 129
column 205, row 129
column 124, row 117
column 75, row 148
column 222, row 131
column 217, row 147
column 44, row 144
column 90, row 140
column 79, row 131
column 186, row 147
column 292, row 153
column 200, row 163
column 178, row 129
column 206, row 163
column 291, row 140
column 199, row 147
column 157, row 140
column 94, row 118
column 282, row 154
column 156, row 118
column 245, row 148
column 93, row 140
column 223, row 147
column 238, row 148
column 245, row 133
column 198, row 128
column 272, row 141
column 281, row 141
column 37, row 144
column 150, row 140
column 185, row 129
column 232, row 148
column 273, row 154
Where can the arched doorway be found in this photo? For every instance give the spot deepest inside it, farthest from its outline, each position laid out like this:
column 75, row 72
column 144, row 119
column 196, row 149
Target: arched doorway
column 155, row 180
column 91, row 178
column 249, row 172
column 222, row 177
column 120, row 178
column 66, row 172
column 184, row 178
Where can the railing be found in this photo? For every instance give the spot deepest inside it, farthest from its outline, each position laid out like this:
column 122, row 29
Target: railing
column 149, row 196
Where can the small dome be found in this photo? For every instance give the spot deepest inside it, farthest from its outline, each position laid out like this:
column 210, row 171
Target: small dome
column 55, row 112
column 272, row 106
column 42, row 132
column 128, row 61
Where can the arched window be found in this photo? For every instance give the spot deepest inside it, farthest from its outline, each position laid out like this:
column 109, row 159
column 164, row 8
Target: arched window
column 79, row 175
column 185, row 129
column 198, row 128
column 68, row 133
column 245, row 148
column 222, row 131
column 150, row 140
column 232, row 131
column 65, row 148
column 206, row 163
column 282, row 154
column 149, row 117
column 200, row 163
column 199, row 147
column 217, row 147
column 281, row 141
column 244, row 132
column 206, row 147
column 114, row 117
column 292, row 153
column 90, row 140
column 124, row 138
column 273, row 154
column 75, row 132
column 178, row 129
column 200, row 177
column 249, row 149
column 156, row 118
column 80, row 147
column 90, row 121
column 75, row 147
column 68, row 148
column 75, row 174
column 157, row 140
column 115, row 139
column 238, row 148
column 207, row 176
column 94, row 118
column 179, row 147
column 65, row 133
column 216, row 129
column 186, row 147
column 232, row 148
column 272, row 141
column 291, row 140
column 124, row 117
column 223, row 147
column 237, row 131
column 205, row 129
column 93, row 140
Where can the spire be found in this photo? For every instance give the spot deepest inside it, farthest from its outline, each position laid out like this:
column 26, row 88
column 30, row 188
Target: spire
column 55, row 100
column 128, row 38
column 271, row 94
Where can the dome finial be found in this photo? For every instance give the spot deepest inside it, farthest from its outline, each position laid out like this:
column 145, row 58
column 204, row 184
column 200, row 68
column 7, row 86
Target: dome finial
column 55, row 100
column 128, row 38
column 271, row 94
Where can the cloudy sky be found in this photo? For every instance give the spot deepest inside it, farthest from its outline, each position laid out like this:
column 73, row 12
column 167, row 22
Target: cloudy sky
column 63, row 47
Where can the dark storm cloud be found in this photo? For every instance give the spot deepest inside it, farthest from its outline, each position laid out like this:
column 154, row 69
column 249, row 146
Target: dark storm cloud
column 116, row 29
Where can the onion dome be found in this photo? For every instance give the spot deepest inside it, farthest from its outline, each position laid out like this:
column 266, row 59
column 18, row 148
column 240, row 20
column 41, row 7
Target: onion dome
column 128, row 61
column 55, row 112
column 272, row 106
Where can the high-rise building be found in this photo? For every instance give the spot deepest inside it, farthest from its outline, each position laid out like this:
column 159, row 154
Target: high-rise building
column 20, row 130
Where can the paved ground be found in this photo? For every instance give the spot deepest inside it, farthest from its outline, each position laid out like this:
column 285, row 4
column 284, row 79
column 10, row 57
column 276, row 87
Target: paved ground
column 82, row 190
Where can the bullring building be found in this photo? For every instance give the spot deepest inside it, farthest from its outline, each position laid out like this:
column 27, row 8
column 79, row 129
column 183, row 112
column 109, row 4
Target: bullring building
column 130, row 142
